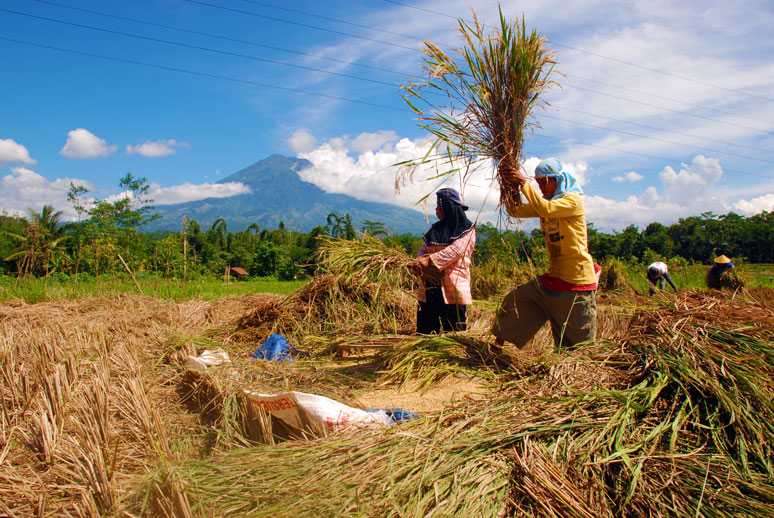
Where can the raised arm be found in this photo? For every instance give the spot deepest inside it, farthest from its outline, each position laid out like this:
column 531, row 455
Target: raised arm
column 563, row 207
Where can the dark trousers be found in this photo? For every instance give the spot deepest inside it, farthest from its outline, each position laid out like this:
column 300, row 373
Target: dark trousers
column 434, row 315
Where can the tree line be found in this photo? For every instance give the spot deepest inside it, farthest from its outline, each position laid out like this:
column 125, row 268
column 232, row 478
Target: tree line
column 106, row 237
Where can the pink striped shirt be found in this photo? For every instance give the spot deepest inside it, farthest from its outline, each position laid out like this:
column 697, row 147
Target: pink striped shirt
column 454, row 262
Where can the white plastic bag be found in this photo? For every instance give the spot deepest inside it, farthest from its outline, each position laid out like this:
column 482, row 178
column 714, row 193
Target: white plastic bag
column 209, row 358
column 312, row 412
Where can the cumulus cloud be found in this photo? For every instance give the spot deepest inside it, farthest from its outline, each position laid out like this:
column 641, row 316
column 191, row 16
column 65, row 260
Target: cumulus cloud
column 83, row 144
column 368, row 172
column 24, row 189
column 191, row 192
column 301, row 141
column 11, row 151
column 756, row 205
column 156, row 148
column 690, row 189
column 630, row 177
column 700, row 173
column 372, row 141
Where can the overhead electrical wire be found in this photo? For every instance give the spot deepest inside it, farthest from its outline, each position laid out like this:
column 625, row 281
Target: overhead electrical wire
column 221, row 37
column 198, row 2
column 290, row 89
column 299, row 24
column 197, row 73
column 602, row 56
column 651, row 137
column 197, row 47
column 329, row 18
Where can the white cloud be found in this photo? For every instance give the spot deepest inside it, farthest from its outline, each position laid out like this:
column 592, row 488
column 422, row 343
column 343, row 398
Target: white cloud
column 701, row 173
column 83, row 144
column 11, row 151
column 156, row 148
column 372, row 141
column 630, row 177
column 185, row 192
column 301, row 141
column 191, row 192
column 756, row 205
column 368, row 174
column 692, row 189
column 727, row 120
column 24, row 189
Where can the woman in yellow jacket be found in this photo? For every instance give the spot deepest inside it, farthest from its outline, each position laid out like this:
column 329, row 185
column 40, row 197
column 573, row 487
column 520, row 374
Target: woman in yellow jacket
column 565, row 295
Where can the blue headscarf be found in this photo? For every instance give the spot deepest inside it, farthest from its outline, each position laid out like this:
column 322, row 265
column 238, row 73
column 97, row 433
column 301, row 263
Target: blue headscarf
column 565, row 181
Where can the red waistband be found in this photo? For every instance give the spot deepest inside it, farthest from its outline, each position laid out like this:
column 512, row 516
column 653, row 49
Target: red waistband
column 556, row 284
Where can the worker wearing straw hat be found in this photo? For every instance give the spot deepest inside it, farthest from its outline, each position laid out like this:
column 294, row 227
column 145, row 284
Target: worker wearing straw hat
column 444, row 266
column 565, row 295
column 721, row 265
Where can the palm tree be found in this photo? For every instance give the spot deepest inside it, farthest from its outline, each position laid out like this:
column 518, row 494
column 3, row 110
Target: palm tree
column 375, row 228
column 219, row 231
column 39, row 242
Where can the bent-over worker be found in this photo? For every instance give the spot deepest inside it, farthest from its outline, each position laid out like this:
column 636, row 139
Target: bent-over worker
column 721, row 265
column 565, row 295
column 444, row 265
column 658, row 276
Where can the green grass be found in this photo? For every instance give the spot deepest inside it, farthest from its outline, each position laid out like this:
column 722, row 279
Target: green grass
column 33, row 290
column 693, row 276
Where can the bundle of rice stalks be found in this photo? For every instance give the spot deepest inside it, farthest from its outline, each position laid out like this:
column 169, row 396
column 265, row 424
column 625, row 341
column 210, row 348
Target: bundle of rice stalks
column 613, row 276
column 366, row 261
column 430, row 360
column 682, row 426
column 730, row 280
column 493, row 278
column 331, row 304
column 488, row 95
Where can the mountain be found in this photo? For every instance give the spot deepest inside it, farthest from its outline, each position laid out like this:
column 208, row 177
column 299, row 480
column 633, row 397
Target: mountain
column 279, row 194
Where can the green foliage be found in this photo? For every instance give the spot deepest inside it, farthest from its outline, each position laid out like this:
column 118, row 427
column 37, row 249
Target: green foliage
column 697, row 238
column 69, row 287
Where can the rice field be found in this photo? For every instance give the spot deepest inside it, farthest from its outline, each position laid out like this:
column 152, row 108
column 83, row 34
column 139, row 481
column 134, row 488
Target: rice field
column 669, row 413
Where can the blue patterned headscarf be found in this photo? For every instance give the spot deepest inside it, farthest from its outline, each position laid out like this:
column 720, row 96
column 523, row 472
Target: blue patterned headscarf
column 565, row 181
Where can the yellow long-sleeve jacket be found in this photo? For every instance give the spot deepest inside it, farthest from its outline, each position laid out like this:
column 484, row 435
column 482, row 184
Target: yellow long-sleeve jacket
column 563, row 222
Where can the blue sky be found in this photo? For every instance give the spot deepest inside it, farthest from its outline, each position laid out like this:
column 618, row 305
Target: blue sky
column 704, row 119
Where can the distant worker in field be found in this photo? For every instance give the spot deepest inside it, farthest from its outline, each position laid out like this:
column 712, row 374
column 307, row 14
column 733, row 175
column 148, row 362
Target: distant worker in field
column 444, row 267
column 722, row 275
column 565, row 296
column 658, row 276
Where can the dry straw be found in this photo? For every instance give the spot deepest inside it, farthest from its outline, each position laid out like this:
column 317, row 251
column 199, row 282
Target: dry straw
column 681, row 424
column 480, row 102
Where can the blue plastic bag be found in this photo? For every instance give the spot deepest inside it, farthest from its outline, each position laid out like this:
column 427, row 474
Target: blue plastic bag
column 398, row 415
column 275, row 348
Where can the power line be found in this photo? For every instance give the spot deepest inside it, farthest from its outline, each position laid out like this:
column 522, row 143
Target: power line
column 672, row 110
column 646, row 155
column 651, row 94
column 329, row 18
column 197, row 47
column 624, row 132
column 198, row 73
column 198, row 2
column 290, row 89
column 663, row 72
column 648, row 126
column 617, row 60
column 221, row 37
column 299, row 24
